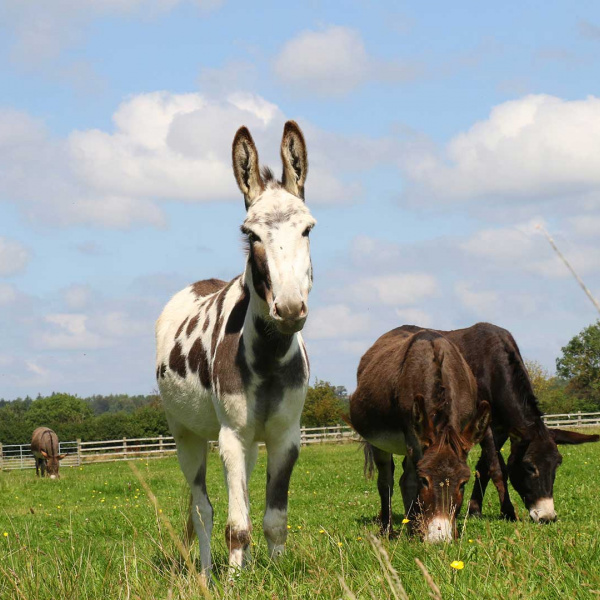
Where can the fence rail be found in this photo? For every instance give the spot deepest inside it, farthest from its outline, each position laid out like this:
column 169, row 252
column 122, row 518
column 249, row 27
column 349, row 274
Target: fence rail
column 18, row 456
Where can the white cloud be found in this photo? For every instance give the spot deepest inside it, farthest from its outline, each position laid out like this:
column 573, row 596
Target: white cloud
column 8, row 294
column 586, row 225
column 42, row 30
column 13, row 257
column 164, row 147
column 333, row 62
column 398, row 289
column 77, row 297
column 336, row 321
column 532, row 149
column 505, row 243
column 69, row 332
column 481, row 302
column 523, row 247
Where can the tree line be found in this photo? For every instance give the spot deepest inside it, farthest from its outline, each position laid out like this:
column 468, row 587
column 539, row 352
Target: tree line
column 574, row 387
column 116, row 416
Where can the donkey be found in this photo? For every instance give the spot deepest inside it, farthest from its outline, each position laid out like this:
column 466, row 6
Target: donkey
column 231, row 363
column 416, row 396
column 503, row 381
column 45, row 449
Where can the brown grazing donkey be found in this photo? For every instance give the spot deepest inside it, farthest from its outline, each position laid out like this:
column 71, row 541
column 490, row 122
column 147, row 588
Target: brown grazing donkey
column 44, row 446
column 417, row 397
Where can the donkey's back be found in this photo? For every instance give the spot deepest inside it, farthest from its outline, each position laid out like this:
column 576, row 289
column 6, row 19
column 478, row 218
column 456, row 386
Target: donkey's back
column 402, row 364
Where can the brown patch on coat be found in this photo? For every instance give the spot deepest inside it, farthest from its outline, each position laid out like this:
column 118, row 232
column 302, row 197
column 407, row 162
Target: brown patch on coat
column 192, row 325
column 236, row 539
column 261, row 277
column 207, row 286
column 230, row 368
column 198, row 363
column 180, row 328
column 177, row 360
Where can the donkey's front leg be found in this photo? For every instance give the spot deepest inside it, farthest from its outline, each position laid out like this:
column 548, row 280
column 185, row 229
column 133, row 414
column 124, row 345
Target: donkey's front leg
column 237, row 532
column 282, row 453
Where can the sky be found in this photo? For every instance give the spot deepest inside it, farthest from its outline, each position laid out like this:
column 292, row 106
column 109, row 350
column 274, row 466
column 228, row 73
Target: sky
column 439, row 135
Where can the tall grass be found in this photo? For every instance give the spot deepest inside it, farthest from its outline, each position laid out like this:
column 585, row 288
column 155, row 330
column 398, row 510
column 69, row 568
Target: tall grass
column 96, row 533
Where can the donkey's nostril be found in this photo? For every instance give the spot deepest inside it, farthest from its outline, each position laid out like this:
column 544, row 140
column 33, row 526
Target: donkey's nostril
column 303, row 311
column 276, row 310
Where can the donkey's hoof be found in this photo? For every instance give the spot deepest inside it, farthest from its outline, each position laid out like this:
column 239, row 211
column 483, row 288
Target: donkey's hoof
column 277, row 551
column 508, row 516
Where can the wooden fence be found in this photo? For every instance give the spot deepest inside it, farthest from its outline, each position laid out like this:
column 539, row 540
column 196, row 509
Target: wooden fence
column 78, row 453
column 19, row 456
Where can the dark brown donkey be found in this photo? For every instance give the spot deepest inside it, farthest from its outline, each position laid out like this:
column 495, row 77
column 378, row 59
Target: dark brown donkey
column 44, row 445
column 503, row 381
column 417, row 397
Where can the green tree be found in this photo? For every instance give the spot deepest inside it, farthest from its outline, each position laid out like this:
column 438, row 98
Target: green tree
column 580, row 364
column 323, row 405
column 68, row 415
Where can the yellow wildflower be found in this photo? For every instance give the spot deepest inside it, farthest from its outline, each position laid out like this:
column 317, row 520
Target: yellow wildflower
column 321, row 531
column 340, row 544
column 405, row 521
column 457, row 564
column 5, row 534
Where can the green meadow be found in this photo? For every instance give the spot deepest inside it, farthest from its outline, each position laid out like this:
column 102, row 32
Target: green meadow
column 96, row 533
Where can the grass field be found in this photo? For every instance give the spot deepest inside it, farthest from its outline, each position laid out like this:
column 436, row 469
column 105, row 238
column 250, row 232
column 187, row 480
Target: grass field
column 95, row 534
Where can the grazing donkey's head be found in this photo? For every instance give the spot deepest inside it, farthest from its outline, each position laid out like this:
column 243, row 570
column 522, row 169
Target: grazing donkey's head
column 52, row 464
column 277, row 227
column 532, row 465
column 443, row 471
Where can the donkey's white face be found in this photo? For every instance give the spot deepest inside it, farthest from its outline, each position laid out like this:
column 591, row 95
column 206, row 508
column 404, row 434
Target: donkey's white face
column 277, row 227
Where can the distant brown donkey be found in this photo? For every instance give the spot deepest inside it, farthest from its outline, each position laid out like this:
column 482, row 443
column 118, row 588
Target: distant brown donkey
column 44, row 445
column 416, row 396
column 503, row 381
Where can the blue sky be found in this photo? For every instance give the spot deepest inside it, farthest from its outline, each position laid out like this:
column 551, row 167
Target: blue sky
column 439, row 136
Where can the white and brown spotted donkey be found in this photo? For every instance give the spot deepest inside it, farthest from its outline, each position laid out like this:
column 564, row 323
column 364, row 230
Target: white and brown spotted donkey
column 231, row 363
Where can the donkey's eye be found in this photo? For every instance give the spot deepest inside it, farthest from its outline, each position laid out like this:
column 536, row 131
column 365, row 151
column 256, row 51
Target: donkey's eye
column 306, row 231
column 424, row 482
column 252, row 237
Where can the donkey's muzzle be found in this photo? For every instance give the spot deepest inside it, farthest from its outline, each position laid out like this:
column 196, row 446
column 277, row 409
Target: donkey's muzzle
column 289, row 316
column 543, row 511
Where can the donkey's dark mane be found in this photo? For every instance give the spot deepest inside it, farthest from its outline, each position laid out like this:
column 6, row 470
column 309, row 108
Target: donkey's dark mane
column 269, row 178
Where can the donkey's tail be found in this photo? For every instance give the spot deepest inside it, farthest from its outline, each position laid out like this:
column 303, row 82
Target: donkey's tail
column 369, row 466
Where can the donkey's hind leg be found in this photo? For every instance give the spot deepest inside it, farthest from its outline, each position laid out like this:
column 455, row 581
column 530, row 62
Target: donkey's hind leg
column 192, row 453
column 385, row 486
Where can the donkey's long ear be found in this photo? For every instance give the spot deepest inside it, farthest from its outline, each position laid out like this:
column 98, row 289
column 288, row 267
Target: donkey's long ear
column 422, row 422
column 43, row 453
column 475, row 430
column 245, row 166
column 563, row 436
column 294, row 158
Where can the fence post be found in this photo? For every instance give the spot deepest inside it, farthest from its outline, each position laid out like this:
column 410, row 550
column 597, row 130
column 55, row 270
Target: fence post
column 21, row 454
column 1, row 457
column 160, row 445
column 303, row 436
column 78, row 452
column 124, row 448
column 578, row 417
